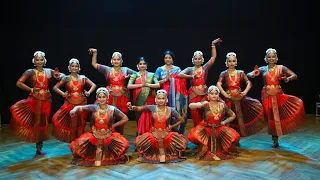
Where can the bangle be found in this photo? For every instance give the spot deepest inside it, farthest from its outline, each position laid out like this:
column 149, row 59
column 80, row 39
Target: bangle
column 213, row 46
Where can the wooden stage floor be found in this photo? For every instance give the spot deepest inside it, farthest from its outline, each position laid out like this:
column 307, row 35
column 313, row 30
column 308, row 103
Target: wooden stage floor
column 298, row 157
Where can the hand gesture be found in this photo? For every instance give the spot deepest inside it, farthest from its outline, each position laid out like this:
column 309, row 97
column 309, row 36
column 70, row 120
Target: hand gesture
column 92, row 51
column 218, row 40
column 168, row 76
column 205, row 104
column 86, row 93
column 283, row 78
column 196, row 76
column 127, row 76
column 56, row 73
column 73, row 111
column 129, row 105
column 256, row 71
column 65, row 94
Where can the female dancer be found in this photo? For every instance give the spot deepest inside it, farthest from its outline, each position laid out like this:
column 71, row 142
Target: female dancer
column 115, row 77
column 143, row 84
column 285, row 113
column 198, row 77
column 215, row 140
column 176, row 88
column 160, row 145
column 101, row 146
column 65, row 127
column 29, row 120
column 249, row 111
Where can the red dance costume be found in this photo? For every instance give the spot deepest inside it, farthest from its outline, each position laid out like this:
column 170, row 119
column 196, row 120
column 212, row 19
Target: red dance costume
column 160, row 145
column 119, row 94
column 249, row 112
column 29, row 120
column 285, row 113
column 101, row 143
column 65, row 127
column 213, row 138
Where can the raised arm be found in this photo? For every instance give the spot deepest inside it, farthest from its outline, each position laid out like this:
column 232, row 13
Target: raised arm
column 94, row 53
column 209, row 64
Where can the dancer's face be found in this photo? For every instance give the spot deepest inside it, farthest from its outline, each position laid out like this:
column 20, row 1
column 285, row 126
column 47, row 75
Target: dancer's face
column 197, row 60
column 74, row 68
column 232, row 62
column 39, row 61
column 142, row 65
column 102, row 98
column 161, row 99
column 213, row 95
column 116, row 61
column 168, row 59
column 272, row 58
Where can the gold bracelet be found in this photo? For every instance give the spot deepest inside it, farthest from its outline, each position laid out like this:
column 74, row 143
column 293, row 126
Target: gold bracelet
column 213, row 46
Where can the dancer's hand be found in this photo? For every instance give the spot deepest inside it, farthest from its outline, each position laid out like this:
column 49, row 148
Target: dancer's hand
column 65, row 94
column 218, row 40
column 86, row 93
column 92, row 51
column 205, row 104
column 129, row 105
column 73, row 111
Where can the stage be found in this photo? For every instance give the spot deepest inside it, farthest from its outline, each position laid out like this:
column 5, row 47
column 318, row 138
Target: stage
column 298, row 157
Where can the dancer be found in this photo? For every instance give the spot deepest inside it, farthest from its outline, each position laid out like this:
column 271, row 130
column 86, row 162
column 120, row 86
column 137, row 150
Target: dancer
column 116, row 78
column 285, row 113
column 143, row 84
column 160, row 145
column 176, row 88
column 215, row 140
column 29, row 120
column 249, row 112
column 198, row 77
column 101, row 146
column 65, row 127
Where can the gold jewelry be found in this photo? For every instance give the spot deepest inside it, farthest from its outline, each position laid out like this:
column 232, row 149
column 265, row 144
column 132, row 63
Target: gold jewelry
column 75, row 87
column 161, row 113
column 101, row 119
column 215, row 110
column 272, row 77
column 42, row 73
column 234, row 73
column 114, row 72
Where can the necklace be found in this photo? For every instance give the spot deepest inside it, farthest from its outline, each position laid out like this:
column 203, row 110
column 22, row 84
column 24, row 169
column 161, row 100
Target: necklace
column 102, row 111
column 73, row 79
column 114, row 72
column 233, row 73
column 161, row 113
column 215, row 111
column 43, row 74
column 198, row 70
column 143, row 76
column 272, row 77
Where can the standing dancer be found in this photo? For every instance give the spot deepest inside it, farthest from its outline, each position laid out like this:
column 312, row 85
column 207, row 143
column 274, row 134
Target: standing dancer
column 65, row 127
column 249, row 111
column 160, row 145
column 198, row 77
column 215, row 140
column 285, row 113
column 175, row 87
column 116, row 78
column 101, row 146
column 143, row 84
column 29, row 120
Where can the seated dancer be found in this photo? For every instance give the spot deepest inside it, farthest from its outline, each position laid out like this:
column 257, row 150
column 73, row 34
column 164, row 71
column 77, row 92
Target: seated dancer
column 65, row 128
column 249, row 112
column 215, row 140
column 284, row 113
column 102, row 145
column 29, row 120
column 160, row 145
